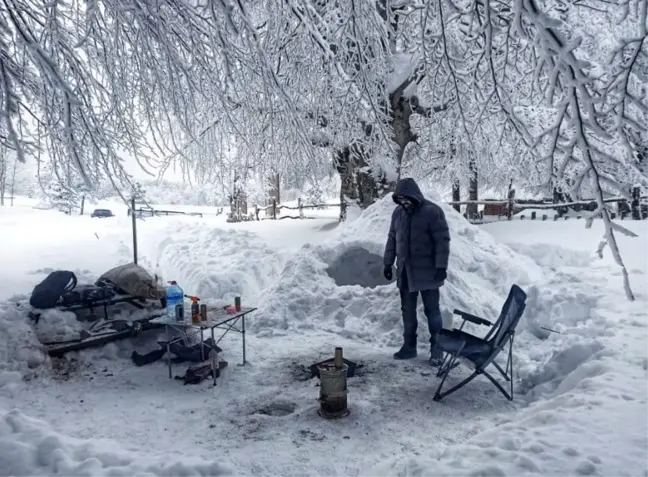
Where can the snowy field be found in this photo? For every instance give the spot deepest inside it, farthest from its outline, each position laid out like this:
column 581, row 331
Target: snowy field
column 581, row 403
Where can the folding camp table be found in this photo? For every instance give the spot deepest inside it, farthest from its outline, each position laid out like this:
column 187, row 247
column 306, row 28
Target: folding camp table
column 216, row 319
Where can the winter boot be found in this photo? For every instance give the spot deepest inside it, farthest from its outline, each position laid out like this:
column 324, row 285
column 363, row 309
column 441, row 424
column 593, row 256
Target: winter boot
column 407, row 351
column 436, row 355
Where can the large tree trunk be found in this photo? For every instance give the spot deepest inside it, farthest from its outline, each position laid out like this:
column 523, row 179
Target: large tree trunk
column 473, row 189
column 3, row 175
column 359, row 184
column 402, row 131
column 274, row 189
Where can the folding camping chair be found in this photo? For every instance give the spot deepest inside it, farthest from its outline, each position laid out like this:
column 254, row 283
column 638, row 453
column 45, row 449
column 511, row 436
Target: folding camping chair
column 481, row 352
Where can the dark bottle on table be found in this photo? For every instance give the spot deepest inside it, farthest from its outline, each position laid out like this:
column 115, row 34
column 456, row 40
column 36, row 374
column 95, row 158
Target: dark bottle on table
column 195, row 310
column 179, row 312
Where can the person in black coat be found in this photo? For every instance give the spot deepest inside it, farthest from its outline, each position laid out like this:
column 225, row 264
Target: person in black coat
column 419, row 243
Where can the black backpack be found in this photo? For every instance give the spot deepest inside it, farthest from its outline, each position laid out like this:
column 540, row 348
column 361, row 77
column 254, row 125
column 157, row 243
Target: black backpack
column 48, row 292
column 87, row 294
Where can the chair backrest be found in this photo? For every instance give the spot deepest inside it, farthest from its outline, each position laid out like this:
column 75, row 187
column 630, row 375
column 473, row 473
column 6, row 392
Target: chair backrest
column 509, row 317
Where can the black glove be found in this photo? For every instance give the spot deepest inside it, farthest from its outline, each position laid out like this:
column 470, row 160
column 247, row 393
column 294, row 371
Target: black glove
column 440, row 274
column 387, row 272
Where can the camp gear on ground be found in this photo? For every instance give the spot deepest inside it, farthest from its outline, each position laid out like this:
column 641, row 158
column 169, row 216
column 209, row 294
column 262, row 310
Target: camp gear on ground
column 87, row 294
column 195, row 374
column 48, row 292
column 100, row 333
column 179, row 349
column 134, row 280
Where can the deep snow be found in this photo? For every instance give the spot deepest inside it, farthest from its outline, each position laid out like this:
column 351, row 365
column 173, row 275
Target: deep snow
column 581, row 403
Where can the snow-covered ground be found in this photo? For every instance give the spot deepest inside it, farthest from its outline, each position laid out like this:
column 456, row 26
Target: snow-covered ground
column 581, row 396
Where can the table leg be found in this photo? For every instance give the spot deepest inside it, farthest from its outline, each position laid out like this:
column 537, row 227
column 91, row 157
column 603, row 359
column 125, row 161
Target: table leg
column 243, row 333
column 214, row 371
column 202, row 346
column 168, row 350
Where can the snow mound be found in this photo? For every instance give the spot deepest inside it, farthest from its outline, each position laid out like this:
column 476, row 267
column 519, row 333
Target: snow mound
column 20, row 350
column 554, row 256
column 216, row 263
column 31, row 447
column 565, row 369
column 330, row 286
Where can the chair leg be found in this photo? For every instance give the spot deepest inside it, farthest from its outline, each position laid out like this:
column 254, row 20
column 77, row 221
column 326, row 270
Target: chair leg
column 450, row 368
column 440, row 395
column 445, row 370
column 502, row 372
column 450, row 361
column 498, row 385
column 445, row 364
column 510, row 360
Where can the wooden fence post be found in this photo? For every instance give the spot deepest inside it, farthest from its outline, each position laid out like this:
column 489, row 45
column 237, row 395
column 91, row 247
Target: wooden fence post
column 634, row 205
column 274, row 209
column 511, row 204
column 533, row 215
column 456, row 195
column 343, row 210
column 299, row 206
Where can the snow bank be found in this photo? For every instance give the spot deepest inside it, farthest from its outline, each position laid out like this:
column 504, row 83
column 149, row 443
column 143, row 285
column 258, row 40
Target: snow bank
column 31, row 447
column 306, row 296
column 580, row 407
column 216, row 264
column 591, row 420
column 21, row 354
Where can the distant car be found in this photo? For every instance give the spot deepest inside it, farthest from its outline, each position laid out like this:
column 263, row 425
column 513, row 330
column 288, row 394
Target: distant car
column 102, row 213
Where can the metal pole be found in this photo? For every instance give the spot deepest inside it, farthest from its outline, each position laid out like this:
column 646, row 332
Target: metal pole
column 134, row 230
column 243, row 333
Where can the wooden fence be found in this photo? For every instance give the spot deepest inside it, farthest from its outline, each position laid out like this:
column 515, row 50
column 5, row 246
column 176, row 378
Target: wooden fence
column 497, row 209
column 273, row 211
column 146, row 212
column 636, row 209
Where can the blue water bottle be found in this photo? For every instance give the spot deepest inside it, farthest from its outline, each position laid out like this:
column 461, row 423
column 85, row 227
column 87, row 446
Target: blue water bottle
column 175, row 296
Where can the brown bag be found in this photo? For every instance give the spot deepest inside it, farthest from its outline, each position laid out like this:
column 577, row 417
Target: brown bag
column 134, row 280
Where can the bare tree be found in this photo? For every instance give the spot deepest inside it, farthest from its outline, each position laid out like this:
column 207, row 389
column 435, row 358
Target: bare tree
column 107, row 77
column 3, row 174
column 377, row 87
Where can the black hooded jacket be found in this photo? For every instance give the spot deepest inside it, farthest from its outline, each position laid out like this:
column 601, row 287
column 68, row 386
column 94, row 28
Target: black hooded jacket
column 418, row 240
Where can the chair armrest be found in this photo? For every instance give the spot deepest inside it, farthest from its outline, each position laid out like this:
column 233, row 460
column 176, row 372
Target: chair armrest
column 472, row 318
